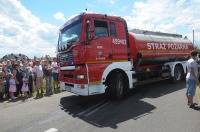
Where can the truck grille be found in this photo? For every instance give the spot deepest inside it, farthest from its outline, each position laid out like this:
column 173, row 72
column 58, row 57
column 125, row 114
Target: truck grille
column 66, row 57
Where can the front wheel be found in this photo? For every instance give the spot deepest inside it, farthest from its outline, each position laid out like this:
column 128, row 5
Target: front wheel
column 117, row 86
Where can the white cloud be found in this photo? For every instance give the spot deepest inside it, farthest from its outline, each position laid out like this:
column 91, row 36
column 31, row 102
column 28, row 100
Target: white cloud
column 59, row 16
column 22, row 32
column 166, row 16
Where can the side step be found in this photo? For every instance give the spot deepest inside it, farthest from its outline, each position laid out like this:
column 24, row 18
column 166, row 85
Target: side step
column 148, row 81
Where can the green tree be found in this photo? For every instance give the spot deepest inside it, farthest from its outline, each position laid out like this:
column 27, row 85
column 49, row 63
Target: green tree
column 197, row 48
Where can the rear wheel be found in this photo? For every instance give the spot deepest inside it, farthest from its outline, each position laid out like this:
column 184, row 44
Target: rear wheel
column 117, row 86
column 178, row 74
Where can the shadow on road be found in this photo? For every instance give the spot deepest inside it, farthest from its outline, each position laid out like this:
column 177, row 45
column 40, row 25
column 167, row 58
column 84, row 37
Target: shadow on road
column 115, row 112
column 75, row 104
column 155, row 90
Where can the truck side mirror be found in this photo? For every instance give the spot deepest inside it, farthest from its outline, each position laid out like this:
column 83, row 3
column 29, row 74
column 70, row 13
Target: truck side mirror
column 139, row 55
column 139, row 59
column 92, row 35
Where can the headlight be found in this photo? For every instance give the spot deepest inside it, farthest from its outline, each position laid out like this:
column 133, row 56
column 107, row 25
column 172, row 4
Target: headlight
column 81, row 77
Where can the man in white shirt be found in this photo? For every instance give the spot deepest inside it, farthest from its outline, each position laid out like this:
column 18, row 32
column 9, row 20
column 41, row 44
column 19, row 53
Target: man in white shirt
column 55, row 73
column 192, row 78
column 39, row 76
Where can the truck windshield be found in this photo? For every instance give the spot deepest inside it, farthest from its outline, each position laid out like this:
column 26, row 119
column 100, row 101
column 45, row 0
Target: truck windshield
column 70, row 34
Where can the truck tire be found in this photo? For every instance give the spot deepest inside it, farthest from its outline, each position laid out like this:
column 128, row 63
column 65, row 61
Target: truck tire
column 117, row 86
column 178, row 75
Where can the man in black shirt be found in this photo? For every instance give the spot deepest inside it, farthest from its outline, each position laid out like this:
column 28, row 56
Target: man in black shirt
column 48, row 76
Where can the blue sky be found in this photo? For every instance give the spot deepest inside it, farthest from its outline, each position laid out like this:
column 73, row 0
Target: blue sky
column 31, row 26
column 46, row 9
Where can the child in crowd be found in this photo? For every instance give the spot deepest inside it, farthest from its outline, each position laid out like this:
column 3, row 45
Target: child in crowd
column 12, row 87
column 25, row 88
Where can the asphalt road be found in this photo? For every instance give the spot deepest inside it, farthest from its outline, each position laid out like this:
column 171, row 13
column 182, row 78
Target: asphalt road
column 157, row 107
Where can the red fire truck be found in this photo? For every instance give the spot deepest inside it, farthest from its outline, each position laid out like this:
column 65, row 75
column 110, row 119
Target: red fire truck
column 98, row 54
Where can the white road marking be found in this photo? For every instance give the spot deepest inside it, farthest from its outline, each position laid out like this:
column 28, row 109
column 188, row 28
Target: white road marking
column 51, row 130
column 98, row 108
column 89, row 109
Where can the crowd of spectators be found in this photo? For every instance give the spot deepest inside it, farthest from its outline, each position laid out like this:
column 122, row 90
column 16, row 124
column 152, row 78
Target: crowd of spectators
column 23, row 78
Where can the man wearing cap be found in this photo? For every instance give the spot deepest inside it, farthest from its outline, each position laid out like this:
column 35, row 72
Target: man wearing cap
column 39, row 76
